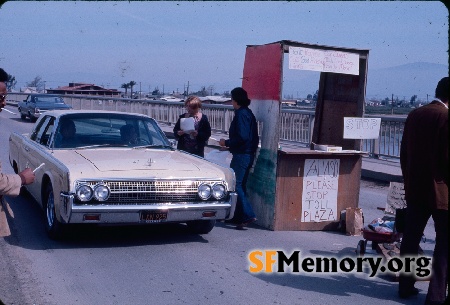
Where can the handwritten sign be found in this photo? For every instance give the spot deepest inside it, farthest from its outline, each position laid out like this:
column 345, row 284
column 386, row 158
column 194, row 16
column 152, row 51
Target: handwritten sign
column 361, row 128
column 396, row 197
column 320, row 189
column 323, row 60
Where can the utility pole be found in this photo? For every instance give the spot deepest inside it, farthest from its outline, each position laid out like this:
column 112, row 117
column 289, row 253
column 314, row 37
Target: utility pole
column 140, row 91
column 392, row 104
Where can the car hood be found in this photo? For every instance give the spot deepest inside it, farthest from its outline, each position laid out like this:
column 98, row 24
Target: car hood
column 138, row 163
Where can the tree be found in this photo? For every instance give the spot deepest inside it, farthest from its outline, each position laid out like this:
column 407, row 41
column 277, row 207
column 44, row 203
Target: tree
column 309, row 97
column 11, row 82
column 125, row 86
column 202, row 92
column 132, row 84
column 385, row 102
column 413, row 99
column 210, row 90
column 315, row 96
column 37, row 82
column 156, row 91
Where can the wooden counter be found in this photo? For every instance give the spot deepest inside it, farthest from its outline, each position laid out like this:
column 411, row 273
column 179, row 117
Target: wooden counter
column 313, row 187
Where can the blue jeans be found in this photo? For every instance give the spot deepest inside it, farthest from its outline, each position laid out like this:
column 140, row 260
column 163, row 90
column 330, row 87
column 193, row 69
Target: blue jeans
column 241, row 164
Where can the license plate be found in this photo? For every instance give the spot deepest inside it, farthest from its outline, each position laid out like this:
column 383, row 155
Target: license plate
column 153, row 216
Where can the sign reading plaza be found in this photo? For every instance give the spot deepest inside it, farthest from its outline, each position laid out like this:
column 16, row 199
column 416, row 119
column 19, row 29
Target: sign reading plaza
column 362, row 128
column 323, row 60
column 320, row 190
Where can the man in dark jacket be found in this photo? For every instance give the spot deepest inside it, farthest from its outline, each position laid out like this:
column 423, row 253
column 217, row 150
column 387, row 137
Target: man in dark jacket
column 242, row 143
column 424, row 163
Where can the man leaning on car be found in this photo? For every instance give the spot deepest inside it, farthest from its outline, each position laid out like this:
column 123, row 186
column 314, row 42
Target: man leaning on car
column 11, row 184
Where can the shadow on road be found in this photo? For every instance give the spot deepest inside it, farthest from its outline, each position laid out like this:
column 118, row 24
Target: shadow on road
column 26, row 223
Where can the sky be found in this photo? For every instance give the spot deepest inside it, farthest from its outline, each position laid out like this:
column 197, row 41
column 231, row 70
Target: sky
column 170, row 44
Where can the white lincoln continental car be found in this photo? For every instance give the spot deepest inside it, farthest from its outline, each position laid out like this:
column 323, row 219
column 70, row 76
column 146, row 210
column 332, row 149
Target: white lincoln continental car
column 104, row 167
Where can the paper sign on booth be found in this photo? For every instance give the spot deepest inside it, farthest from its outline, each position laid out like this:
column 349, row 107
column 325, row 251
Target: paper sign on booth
column 361, row 128
column 323, row 60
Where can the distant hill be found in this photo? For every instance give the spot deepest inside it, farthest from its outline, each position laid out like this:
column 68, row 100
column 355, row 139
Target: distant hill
column 418, row 78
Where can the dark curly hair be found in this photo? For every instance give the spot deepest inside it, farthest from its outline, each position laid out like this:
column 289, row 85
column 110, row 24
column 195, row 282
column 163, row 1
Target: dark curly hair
column 3, row 76
column 239, row 95
column 442, row 89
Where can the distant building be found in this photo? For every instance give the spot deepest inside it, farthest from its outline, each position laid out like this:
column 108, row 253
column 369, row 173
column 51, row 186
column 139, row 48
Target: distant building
column 85, row 89
column 28, row 90
column 213, row 99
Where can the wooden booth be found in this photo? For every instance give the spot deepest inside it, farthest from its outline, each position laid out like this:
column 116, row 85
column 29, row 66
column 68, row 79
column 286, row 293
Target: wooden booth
column 305, row 189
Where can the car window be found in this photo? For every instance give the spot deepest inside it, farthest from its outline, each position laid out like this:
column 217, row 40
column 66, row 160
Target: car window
column 49, row 100
column 36, row 130
column 44, row 131
column 155, row 132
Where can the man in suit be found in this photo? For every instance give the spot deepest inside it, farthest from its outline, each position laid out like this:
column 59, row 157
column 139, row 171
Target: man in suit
column 11, row 184
column 424, row 164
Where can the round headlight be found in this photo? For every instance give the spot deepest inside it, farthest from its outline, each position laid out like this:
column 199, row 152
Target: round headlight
column 218, row 191
column 204, row 191
column 101, row 192
column 84, row 192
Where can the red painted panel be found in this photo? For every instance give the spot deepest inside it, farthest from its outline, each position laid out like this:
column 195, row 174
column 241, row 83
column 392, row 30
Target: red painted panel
column 262, row 71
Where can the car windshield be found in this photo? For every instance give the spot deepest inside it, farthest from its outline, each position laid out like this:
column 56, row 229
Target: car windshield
column 87, row 130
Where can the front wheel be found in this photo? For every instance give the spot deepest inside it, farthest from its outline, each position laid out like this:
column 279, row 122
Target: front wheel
column 201, row 226
column 22, row 116
column 54, row 228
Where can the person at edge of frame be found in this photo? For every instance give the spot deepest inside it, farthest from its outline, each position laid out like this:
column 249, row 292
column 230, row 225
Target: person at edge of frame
column 10, row 184
column 424, row 165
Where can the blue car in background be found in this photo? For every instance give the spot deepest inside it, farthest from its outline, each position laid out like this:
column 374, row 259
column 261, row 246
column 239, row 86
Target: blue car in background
column 35, row 104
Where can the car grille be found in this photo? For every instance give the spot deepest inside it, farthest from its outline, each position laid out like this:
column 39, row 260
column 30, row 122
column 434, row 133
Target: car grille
column 147, row 192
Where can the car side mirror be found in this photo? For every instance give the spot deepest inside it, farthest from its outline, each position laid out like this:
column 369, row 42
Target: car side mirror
column 173, row 143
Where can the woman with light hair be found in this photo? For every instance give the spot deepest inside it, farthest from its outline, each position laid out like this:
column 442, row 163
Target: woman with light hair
column 193, row 141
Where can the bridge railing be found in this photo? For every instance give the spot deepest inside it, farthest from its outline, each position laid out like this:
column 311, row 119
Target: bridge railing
column 296, row 124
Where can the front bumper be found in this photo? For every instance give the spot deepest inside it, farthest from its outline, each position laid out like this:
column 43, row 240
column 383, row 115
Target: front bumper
column 130, row 214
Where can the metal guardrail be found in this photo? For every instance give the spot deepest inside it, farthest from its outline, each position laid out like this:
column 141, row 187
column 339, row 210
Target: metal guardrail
column 296, row 125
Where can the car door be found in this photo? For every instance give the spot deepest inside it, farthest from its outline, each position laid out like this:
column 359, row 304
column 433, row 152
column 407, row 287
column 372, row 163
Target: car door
column 29, row 105
column 34, row 151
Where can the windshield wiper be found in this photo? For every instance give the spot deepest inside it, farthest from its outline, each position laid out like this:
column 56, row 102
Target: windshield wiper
column 152, row 146
column 101, row 145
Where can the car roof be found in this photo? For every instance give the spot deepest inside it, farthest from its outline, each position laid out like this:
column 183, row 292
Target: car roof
column 45, row 94
column 59, row 113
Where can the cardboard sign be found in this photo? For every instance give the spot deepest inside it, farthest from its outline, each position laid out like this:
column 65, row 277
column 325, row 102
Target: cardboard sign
column 362, row 128
column 323, row 60
column 320, row 190
column 396, row 197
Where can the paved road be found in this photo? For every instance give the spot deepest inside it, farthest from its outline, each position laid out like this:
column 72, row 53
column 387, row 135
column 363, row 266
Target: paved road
column 168, row 265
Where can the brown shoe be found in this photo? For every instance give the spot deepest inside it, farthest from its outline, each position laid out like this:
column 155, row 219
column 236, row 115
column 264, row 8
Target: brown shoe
column 406, row 293
column 242, row 226
column 249, row 221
